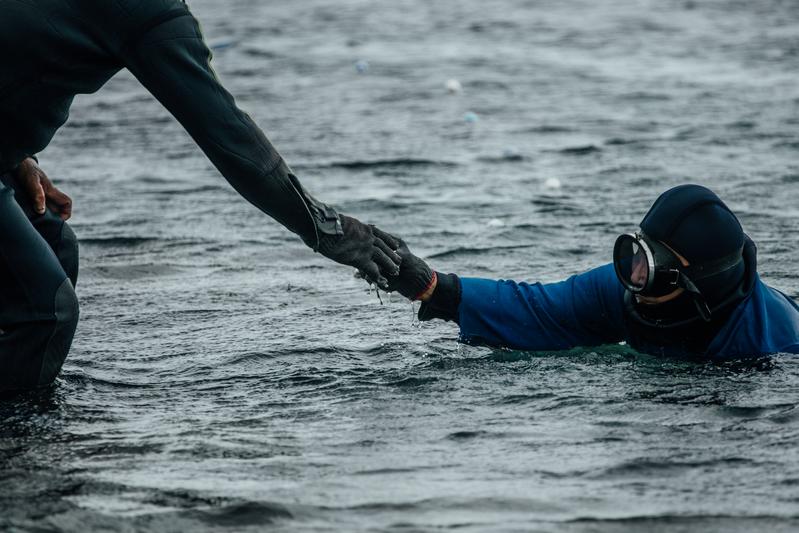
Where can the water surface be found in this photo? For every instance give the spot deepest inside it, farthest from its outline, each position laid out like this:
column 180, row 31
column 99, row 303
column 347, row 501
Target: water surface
column 224, row 376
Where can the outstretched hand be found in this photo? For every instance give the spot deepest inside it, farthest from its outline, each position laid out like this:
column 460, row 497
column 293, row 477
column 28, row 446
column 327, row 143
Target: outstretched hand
column 416, row 280
column 364, row 247
column 41, row 191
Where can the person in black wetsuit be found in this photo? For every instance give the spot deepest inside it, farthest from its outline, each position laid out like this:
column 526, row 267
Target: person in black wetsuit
column 51, row 50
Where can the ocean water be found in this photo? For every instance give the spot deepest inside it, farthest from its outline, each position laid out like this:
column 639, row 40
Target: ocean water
column 226, row 378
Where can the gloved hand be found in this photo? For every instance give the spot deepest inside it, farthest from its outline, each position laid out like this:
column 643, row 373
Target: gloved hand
column 364, row 247
column 415, row 277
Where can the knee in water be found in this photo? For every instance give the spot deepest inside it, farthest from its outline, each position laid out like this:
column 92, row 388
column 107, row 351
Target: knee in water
column 68, row 253
column 67, row 313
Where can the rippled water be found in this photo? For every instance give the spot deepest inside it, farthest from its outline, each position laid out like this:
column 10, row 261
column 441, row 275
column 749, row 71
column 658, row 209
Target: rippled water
column 225, row 377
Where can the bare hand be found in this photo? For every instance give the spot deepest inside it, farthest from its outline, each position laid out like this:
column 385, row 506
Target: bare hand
column 41, row 190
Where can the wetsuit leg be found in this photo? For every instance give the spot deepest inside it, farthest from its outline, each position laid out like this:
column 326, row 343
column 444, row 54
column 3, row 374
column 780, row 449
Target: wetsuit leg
column 38, row 305
column 55, row 231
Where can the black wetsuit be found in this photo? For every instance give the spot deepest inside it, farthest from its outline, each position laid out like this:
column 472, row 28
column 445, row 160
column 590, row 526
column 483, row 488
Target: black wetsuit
column 51, row 50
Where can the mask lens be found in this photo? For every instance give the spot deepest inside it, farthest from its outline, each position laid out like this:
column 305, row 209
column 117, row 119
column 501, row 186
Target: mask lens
column 632, row 265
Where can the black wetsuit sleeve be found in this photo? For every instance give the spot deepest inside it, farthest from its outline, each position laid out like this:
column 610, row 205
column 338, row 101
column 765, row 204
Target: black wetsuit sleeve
column 445, row 300
column 173, row 62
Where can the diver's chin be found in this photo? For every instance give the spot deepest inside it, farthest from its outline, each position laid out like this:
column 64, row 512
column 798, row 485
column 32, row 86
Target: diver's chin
column 657, row 300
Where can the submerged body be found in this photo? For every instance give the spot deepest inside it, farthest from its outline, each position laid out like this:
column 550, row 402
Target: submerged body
column 710, row 304
column 589, row 309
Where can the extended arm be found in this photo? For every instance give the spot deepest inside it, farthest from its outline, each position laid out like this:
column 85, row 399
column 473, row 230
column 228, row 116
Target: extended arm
column 584, row 310
column 173, row 62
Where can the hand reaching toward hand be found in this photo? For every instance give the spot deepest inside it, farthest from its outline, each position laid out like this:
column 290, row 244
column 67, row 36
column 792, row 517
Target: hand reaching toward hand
column 364, row 247
column 416, row 280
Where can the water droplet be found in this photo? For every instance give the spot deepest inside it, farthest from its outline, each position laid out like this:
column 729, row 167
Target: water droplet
column 552, row 183
column 495, row 223
column 454, row 86
column 361, row 66
column 471, row 117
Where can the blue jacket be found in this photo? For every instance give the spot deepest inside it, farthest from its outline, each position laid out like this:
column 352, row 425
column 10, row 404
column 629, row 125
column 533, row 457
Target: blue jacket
column 588, row 310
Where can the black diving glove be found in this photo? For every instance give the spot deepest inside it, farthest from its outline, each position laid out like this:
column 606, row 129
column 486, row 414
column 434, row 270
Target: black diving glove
column 415, row 276
column 364, row 247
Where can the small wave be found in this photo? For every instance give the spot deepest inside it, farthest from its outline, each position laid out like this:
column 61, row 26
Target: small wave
column 792, row 145
column 620, row 169
column 411, row 382
column 649, row 467
column 620, row 141
column 132, row 272
column 467, row 435
column 188, row 190
column 546, row 128
column 513, row 399
column 644, row 96
column 465, row 250
column 386, row 163
column 117, row 241
column 712, row 522
column 241, row 514
column 505, row 158
column 753, row 411
column 579, row 150
column 742, row 124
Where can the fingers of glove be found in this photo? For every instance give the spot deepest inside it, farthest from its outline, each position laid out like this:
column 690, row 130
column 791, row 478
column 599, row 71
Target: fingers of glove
column 387, row 265
column 392, row 241
column 371, row 274
column 386, row 249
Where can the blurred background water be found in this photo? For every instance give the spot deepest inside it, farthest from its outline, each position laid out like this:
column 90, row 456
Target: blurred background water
column 224, row 377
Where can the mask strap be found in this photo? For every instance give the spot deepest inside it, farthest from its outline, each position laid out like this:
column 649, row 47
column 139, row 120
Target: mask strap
column 699, row 300
column 703, row 271
column 711, row 268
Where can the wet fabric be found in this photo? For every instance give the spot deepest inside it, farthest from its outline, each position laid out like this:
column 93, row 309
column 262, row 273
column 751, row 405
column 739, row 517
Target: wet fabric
column 38, row 305
column 53, row 51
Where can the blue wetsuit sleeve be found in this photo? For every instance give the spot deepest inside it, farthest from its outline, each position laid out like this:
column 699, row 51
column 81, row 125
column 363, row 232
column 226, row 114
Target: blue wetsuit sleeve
column 584, row 310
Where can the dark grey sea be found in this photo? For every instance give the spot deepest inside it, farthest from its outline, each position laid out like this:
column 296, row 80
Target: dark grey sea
column 225, row 378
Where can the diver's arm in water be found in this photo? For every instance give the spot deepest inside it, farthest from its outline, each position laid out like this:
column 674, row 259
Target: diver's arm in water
column 584, row 310
column 173, row 62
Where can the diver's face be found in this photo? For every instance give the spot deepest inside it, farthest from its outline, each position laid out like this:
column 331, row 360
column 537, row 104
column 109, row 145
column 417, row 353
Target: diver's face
column 640, row 269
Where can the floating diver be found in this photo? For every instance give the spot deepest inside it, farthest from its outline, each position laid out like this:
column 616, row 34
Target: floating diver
column 684, row 284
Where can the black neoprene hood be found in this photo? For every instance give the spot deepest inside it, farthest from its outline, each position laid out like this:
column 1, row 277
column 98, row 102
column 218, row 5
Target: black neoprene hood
column 694, row 222
column 697, row 224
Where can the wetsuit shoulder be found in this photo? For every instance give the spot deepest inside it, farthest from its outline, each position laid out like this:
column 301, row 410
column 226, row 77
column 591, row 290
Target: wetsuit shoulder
column 136, row 18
